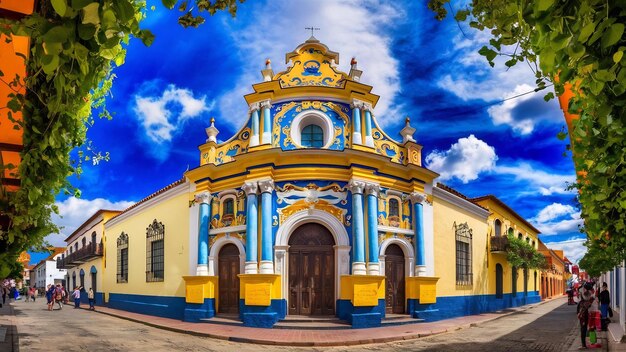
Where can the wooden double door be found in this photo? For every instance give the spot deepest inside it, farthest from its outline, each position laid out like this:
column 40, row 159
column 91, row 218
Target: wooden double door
column 228, row 283
column 311, row 271
column 394, row 280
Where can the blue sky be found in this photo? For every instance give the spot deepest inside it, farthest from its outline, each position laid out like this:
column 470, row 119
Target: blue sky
column 164, row 96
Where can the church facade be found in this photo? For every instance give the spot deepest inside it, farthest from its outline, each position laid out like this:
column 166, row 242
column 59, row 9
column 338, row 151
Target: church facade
column 309, row 209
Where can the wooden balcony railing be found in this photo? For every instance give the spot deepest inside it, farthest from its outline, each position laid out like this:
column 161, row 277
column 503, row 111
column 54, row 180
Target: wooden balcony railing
column 498, row 243
column 91, row 250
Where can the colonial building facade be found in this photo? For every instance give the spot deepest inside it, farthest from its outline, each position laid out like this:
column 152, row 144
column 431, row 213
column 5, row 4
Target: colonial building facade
column 311, row 209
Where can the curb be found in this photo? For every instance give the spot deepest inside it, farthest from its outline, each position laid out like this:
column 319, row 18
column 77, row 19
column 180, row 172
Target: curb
column 321, row 343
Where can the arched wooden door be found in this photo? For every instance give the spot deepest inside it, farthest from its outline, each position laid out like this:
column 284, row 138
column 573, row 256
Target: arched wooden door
column 228, row 263
column 311, row 271
column 394, row 280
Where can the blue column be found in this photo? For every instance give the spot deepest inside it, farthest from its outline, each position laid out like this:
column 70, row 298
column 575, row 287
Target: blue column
column 251, row 227
column 369, row 141
column 267, row 123
column 356, row 122
column 254, row 139
column 267, row 264
column 419, row 235
column 203, row 233
column 358, row 234
column 372, row 228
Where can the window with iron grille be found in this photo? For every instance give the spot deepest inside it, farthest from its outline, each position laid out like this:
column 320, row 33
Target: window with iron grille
column 122, row 258
column 394, row 207
column 155, row 239
column 463, row 235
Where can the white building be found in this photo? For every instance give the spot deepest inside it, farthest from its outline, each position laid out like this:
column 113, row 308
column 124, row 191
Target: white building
column 46, row 272
column 616, row 281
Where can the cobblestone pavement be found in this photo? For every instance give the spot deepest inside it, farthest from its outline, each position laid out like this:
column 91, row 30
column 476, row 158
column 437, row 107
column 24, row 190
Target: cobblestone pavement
column 547, row 327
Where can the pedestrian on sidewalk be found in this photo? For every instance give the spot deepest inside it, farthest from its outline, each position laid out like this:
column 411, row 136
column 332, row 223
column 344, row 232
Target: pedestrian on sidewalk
column 50, row 296
column 605, row 300
column 58, row 296
column 92, row 299
column 76, row 296
column 586, row 299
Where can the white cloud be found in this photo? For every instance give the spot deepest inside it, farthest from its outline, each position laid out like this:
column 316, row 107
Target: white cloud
column 73, row 212
column 546, row 183
column 362, row 36
column 464, row 160
column 474, row 79
column 572, row 248
column 557, row 219
column 163, row 116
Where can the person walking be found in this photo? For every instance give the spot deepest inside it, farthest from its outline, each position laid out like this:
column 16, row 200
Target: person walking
column 33, row 293
column 586, row 299
column 76, row 296
column 50, row 296
column 4, row 290
column 58, row 296
column 605, row 300
column 92, row 299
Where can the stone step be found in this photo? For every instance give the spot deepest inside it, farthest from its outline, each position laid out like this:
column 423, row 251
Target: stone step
column 399, row 319
column 335, row 324
column 232, row 320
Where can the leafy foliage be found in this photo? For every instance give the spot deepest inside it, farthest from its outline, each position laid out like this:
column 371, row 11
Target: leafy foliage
column 581, row 42
column 194, row 15
column 522, row 255
column 75, row 47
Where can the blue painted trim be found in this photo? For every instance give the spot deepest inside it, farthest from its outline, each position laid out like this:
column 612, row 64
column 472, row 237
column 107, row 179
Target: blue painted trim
column 262, row 316
column 372, row 227
column 266, row 227
column 203, row 233
column 357, row 230
column 93, row 269
column 251, row 228
column 361, row 317
column 196, row 311
column 420, row 257
column 162, row 306
column 267, row 121
column 456, row 306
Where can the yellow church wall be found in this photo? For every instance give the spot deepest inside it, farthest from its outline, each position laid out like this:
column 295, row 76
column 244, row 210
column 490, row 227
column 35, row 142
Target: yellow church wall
column 445, row 217
column 173, row 212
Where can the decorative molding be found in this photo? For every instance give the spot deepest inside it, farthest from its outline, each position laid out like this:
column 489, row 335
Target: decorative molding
column 417, row 197
column 203, row 198
column 266, row 186
column 265, row 104
column 228, row 229
column 372, row 189
column 357, row 104
column 356, row 186
column 253, row 107
column 250, row 187
column 384, row 229
column 460, row 202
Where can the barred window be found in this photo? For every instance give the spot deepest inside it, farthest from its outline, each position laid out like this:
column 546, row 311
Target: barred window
column 394, row 207
column 155, row 236
column 498, row 228
column 463, row 254
column 122, row 258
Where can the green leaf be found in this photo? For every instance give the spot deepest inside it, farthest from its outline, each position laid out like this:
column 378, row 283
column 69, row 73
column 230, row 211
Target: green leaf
column 544, row 4
column 169, row 3
column 612, row 35
column 57, row 34
column 125, row 10
column 586, row 31
column 617, row 57
column 488, row 53
column 576, row 51
column 90, row 14
column 60, row 6
column 548, row 96
column 79, row 4
column 146, row 37
column 86, row 31
column 604, row 75
column 50, row 63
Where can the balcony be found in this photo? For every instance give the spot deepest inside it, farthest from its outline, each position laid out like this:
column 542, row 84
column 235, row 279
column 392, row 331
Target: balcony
column 82, row 255
column 498, row 244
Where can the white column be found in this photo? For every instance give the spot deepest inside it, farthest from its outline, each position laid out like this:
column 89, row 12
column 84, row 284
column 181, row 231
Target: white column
column 254, row 116
column 266, row 137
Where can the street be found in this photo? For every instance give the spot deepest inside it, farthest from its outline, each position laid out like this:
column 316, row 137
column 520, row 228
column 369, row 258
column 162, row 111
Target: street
column 548, row 327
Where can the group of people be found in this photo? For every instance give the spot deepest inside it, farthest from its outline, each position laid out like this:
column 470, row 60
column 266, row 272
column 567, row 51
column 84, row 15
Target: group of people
column 57, row 294
column 593, row 311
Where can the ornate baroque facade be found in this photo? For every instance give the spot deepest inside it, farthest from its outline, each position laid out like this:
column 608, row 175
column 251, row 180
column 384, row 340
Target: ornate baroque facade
column 309, row 209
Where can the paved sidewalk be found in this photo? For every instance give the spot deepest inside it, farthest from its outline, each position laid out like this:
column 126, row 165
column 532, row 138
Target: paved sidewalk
column 8, row 329
column 287, row 337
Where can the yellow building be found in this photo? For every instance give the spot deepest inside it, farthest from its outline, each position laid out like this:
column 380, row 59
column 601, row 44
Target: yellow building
column 309, row 209
column 83, row 257
column 512, row 286
column 554, row 279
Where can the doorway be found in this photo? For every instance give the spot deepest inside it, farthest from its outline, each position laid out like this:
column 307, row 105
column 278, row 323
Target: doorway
column 228, row 264
column 311, row 271
column 394, row 280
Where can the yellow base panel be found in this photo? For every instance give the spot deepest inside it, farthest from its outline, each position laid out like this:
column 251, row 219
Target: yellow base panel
column 197, row 288
column 259, row 289
column 362, row 290
column 423, row 288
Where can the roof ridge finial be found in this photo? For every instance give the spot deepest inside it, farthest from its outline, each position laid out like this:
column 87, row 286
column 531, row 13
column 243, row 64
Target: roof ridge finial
column 407, row 131
column 312, row 38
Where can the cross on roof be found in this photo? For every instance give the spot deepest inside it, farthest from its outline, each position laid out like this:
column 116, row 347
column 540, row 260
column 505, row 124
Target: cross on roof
column 312, row 29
